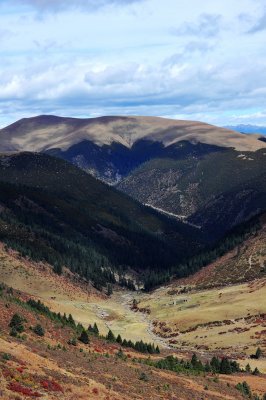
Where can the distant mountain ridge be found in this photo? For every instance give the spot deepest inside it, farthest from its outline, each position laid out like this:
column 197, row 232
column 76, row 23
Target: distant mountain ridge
column 48, row 132
column 242, row 128
column 110, row 148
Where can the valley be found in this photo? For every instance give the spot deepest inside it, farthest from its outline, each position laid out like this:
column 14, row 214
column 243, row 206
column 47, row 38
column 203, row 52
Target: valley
column 42, row 366
column 191, row 314
column 149, row 287
column 84, row 303
column 132, row 200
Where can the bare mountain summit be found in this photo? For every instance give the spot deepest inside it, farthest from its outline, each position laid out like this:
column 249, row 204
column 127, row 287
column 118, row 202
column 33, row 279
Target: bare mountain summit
column 48, row 132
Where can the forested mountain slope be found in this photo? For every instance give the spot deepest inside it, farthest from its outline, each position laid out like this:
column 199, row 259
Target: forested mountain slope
column 215, row 191
column 53, row 211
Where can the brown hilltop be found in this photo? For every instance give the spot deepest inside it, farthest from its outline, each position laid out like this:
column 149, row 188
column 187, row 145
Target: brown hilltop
column 45, row 132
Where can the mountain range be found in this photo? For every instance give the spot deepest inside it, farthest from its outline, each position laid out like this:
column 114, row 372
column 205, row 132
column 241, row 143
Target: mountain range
column 212, row 177
column 132, row 260
column 242, row 128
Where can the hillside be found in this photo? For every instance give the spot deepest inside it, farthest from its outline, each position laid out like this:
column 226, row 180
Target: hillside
column 53, row 211
column 245, row 263
column 49, row 366
column 52, row 362
column 215, row 191
column 220, row 308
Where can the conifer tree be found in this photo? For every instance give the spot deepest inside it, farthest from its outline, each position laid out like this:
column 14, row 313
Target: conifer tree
column 109, row 290
column 71, row 320
column 225, row 367
column 84, row 338
column 110, row 336
column 119, row 339
column 258, row 353
column 95, row 329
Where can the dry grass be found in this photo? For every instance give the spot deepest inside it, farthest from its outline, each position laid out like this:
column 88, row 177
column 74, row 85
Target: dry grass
column 89, row 374
column 34, row 136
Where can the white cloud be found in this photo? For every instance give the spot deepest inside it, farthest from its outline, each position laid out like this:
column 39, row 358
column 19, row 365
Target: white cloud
column 207, row 25
column 60, row 5
column 259, row 25
column 126, row 60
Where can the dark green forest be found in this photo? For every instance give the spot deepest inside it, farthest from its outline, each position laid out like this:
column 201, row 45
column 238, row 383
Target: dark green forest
column 54, row 212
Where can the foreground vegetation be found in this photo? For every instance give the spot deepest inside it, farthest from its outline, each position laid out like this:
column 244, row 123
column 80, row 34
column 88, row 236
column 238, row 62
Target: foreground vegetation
column 63, row 341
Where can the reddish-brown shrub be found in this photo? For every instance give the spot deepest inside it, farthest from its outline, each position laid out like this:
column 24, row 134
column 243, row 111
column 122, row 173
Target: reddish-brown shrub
column 7, row 373
column 51, row 386
column 17, row 387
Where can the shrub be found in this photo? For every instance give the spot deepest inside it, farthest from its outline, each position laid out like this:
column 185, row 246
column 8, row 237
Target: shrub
column 13, row 332
column 143, row 377
column 18, row 388
column 39, row 330
column 51, row 386
column 244, row 388
column 72, row 342
column 16, row 323
column 121, row 354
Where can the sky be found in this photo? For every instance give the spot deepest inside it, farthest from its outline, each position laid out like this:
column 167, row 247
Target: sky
column 182, row 59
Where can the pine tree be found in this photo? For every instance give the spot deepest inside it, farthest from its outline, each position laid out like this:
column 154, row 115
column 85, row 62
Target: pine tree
column 194, row 360
column 215, row 364
column 71, row 320
column 109, row 290
column 225, row 367
column 80, row 327
column 95, row 329
column 248, row 369
column 149, row 348
column 207, row 367
column 110, row 336
column 119, row 339
column 256, row 371
column 246, row 389
column 258, row 353
column 84, row 338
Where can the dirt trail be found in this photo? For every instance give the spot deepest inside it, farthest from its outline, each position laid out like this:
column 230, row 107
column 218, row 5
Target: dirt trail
column 126, row 300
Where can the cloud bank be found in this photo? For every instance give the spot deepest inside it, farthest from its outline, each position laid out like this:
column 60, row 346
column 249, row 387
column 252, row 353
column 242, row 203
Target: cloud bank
column 186, row 59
